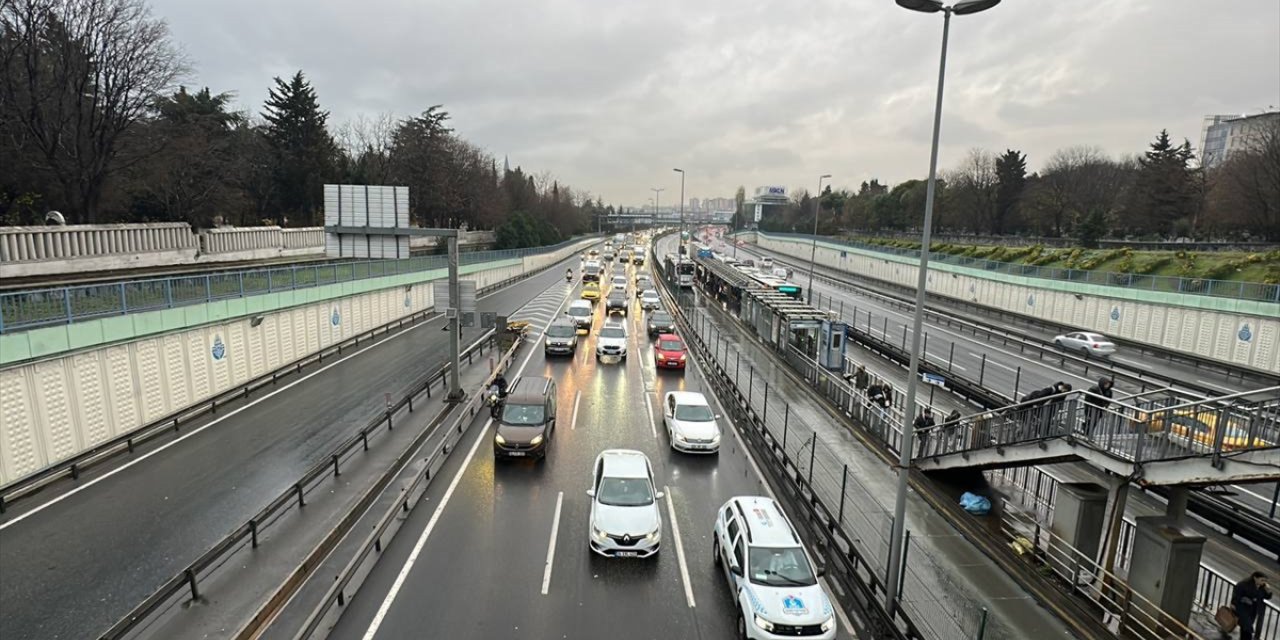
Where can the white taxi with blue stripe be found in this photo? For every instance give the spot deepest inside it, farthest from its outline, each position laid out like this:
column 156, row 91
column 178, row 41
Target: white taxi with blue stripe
column 768, row 569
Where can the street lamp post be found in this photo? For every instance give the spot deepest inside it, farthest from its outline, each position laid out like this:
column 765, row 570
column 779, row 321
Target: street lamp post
column 656, row 199
column 894, row 570
column 813, row 253
column 681, row 172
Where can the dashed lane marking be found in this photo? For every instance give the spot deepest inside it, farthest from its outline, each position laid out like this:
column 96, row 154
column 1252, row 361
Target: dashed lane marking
column 684, row 566
column 551, row 546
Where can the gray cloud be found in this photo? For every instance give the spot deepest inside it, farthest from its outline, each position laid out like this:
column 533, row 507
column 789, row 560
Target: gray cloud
column 609, row 96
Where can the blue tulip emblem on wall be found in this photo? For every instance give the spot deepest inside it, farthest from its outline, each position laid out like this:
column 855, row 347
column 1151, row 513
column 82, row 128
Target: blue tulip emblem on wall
column 1245, row 334
column 1115, row 313
column 219, row 350
column 1031, row 300
column 336, row 318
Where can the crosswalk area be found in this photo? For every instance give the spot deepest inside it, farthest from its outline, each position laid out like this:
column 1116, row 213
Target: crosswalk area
column 540, row 311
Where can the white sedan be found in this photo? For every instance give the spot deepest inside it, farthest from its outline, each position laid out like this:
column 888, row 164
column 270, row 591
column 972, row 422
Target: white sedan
column 626, row 521
column 1086, row 344
column 691, row 424
column 650, row 300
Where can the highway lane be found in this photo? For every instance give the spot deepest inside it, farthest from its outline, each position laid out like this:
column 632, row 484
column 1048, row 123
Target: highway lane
column 483, row 570
column 77, row 558
column 969, row 350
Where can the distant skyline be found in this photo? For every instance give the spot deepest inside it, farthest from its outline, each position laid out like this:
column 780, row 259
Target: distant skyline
column 609, row 96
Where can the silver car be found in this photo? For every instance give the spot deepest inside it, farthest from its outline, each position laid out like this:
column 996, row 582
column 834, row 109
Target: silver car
column 1086, row 343
column 626, row 521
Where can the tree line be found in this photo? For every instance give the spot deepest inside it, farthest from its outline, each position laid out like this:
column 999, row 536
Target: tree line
column 1079, row 193
column 96, row 123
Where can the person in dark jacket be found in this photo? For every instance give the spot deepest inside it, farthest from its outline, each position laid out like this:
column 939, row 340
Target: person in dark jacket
column 1039, row 409
column 923, row 423
column 1097, row 399
column 860, row 378
column 1246, row 599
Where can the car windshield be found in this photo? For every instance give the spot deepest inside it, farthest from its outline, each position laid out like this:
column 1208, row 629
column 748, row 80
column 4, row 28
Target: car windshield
column 670, row 345
column 660, row 319
column 613, row 332
column 780, row 567
column 561, row 331
column 650, row 295
column 694, row 413
column 580, row 311
column 523, row 414
column 625, row 492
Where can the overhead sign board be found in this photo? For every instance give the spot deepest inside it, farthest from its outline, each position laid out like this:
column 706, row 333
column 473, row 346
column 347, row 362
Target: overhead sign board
column 467, row 291
column 771, row 191
column 440, row 295
column 933, row 379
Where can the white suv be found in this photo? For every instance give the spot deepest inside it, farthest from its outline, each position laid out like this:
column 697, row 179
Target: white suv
column 612, row 340
column 770, row 573
column 626, row 521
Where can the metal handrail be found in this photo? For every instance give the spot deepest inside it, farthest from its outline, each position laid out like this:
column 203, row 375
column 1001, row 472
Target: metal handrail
column 295, row 495
column 33, row 308
column 1192, row 286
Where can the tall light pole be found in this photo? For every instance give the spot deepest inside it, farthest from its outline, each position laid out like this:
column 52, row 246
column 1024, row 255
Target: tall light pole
column 657, row 195
column 681, row 172
column 813, row 253
column 895, row 568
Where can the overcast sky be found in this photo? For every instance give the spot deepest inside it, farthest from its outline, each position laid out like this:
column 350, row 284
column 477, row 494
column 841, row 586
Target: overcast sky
column 610, row 95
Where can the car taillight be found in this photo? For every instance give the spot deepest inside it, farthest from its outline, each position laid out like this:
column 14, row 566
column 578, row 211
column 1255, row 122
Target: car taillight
column 1095, row 346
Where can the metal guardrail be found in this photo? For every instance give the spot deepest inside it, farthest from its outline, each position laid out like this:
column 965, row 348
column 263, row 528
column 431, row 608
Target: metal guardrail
column 29, row 309
column 372, row 545
column 293, row 497
column 127, row 442
column 1195, row 286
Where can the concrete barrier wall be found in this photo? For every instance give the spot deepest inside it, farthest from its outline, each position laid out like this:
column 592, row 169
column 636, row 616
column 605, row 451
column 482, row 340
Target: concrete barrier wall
column 242, row 244
column 1243, row 332
column 49, row 250
column 57, row 407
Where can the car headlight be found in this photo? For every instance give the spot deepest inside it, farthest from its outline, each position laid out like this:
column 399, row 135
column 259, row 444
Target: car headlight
column 682, row 357
column 537, row 440
column 680, row 437
column 715, row 438
column 829, row 624
column 654, row 535
column 499, row 439
column 599, row 534
column 763, row 624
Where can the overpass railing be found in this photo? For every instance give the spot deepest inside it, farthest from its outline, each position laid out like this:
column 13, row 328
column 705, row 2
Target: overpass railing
column 1143, row 429
column 33, row 308
column 1197, row 286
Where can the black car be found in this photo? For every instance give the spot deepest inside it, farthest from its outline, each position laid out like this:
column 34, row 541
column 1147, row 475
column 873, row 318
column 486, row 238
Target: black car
column 661, row 322
column 616, row 302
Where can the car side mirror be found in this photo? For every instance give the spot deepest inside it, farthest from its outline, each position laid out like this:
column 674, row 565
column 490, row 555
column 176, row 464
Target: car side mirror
column 659, row 495
column 734, row 568
column 591, row 492
column 822, row 570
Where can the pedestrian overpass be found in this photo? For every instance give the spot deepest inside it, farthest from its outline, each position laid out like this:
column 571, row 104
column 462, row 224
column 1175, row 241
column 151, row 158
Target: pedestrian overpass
column 1152, row 438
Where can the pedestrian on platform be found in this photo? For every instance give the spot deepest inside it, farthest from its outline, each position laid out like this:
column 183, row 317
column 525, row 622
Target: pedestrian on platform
column 1097, row 399
column 923, row 424
column 1246, row 599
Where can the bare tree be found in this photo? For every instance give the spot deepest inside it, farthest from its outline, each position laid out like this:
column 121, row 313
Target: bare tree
column 1077, row 181
column 1245, row 190
column 367, row 141
column 971, row 190
column 77, row 75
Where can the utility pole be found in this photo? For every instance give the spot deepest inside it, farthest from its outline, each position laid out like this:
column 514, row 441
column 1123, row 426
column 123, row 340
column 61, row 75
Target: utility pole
column 455, row 322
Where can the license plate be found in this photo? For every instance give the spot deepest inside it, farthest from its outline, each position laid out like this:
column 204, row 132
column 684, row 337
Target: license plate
column 672, row 363
column 515, row 453
column 626, row 554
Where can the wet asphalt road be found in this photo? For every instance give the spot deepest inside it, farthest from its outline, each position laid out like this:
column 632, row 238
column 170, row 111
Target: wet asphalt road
column 76, row 558
column 480, row 572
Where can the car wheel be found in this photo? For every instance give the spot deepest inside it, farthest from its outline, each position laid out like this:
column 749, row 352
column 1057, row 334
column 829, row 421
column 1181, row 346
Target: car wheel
column 742, row 627
column 1084, row 351
column 715, row 551
column 1057, row 343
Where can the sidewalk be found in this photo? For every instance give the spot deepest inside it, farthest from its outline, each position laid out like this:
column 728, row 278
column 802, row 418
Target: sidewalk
column 948, row 581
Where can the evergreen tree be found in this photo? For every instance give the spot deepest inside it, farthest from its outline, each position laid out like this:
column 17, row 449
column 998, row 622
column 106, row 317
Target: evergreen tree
column 1165, row 197
column 303, row 150
column 1093, row 227
column 1011, row 179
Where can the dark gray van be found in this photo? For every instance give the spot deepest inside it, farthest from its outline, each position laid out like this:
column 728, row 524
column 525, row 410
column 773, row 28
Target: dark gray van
column 528, row 419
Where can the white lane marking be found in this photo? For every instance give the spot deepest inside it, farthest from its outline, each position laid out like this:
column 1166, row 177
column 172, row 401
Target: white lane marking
column 1003, row 365
column 653, row 426
column 684, row 567
column 426, row 533
column 733, row 428
column 1216, row 386
column 958, row 366
column 131, row 463
column 551, row 546
column 435, row 517
column 577, row 399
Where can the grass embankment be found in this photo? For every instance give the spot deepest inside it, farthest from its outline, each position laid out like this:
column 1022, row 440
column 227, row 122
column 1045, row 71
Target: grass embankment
column 1231, row 266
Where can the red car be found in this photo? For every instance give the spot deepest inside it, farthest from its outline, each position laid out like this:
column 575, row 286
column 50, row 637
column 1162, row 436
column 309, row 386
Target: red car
column 669, row 352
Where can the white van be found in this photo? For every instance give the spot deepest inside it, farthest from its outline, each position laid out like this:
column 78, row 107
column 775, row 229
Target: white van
column 769, row 571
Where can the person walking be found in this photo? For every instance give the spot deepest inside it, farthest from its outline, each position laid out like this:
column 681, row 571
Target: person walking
column 923, row 424
column 860, row 378
column 1097, row 398
column 1246, row 599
